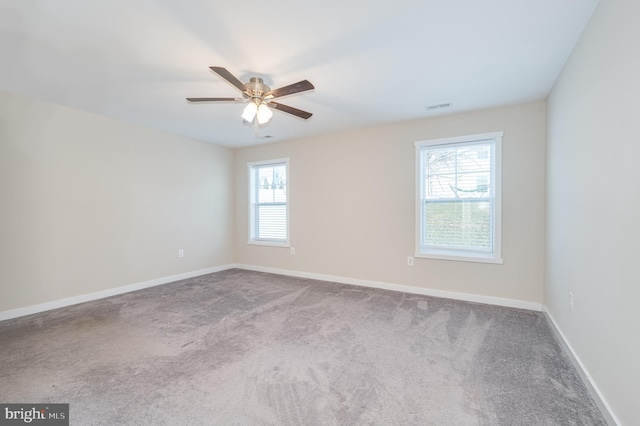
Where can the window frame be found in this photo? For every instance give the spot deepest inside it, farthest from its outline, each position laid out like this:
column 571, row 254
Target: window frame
column 252, row 223
column 459, row 254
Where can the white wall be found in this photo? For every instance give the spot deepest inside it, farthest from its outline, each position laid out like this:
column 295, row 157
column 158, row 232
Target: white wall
column 593, row 203
column 352, row 205
column 88, row 203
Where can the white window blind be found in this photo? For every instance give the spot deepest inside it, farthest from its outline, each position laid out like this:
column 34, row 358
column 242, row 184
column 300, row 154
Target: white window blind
column 458, row 201
column 268, row 206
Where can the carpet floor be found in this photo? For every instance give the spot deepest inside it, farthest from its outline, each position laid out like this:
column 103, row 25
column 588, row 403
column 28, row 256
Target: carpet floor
column 248, row 348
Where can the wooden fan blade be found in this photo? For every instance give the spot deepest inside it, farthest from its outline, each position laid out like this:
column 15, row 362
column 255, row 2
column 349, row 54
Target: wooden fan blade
column 298, row 87
column 291, row 110
column 214, row 99
column 222, row 72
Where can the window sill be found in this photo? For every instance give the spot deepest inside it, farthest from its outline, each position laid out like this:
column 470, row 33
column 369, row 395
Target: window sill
column 268, row 243
column 460, row 258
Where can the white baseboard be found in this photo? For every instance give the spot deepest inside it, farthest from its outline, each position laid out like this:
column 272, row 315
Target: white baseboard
column 34, row 309
column 467, row 297
column 597, row 396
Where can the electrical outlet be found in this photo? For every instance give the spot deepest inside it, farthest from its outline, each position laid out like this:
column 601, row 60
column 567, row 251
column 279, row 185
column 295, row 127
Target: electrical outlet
column 410, row 261
column 181, row 253
column 293, row 250
column 571, row 301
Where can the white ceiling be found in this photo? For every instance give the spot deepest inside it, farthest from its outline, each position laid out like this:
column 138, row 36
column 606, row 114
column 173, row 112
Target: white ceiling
column 371, row 62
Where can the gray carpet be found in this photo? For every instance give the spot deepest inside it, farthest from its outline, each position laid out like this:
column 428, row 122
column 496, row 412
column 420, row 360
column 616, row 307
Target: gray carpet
column 248, row 348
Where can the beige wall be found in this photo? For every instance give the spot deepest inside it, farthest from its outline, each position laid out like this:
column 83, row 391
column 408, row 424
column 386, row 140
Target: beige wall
column 352, row 205
column 593, row 203
column 88, row 203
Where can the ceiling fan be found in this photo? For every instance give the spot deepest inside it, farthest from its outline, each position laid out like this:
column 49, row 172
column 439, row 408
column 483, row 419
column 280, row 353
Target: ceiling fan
column 260, row 97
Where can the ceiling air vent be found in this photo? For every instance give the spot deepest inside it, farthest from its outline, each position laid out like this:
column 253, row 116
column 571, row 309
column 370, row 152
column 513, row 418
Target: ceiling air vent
column 439, row 106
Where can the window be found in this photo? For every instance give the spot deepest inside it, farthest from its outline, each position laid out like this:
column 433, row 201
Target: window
column 458, row 204
column 268, row 202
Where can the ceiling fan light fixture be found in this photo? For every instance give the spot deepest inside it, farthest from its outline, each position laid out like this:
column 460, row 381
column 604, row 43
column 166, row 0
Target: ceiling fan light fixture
column 250, row 112
column 264, row 114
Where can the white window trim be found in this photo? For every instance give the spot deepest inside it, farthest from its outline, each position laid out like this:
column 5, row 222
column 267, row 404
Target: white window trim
column 455, row 254
column 251, row 210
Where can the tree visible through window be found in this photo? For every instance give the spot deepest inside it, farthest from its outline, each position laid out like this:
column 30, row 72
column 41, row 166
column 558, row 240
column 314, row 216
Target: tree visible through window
column 459, row 200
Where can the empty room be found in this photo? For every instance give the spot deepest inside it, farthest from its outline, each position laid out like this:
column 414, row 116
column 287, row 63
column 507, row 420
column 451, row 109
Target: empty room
column 343, row 213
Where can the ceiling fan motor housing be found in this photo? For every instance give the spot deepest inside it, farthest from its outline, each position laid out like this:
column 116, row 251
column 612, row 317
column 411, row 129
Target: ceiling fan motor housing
column 256, row 88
